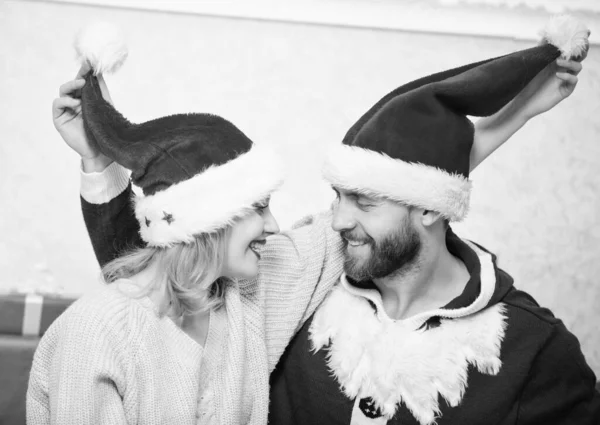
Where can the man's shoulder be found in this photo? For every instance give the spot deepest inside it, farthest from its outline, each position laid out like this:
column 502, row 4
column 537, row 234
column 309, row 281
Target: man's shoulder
column 518, row 302
column 537, row 328
column 524, row 305
column 524, row 314
column 555, row 352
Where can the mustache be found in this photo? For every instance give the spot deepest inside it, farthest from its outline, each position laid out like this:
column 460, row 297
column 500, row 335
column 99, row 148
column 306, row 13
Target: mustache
column 348, row 235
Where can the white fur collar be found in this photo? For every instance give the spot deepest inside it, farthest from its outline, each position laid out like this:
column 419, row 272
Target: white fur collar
column 393, row 362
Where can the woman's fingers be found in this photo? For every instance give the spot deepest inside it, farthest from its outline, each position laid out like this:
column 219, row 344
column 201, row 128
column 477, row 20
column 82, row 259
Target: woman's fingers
column 61, row 103
column 567, row 77
column 570, row 66
column 68, row 88
column 85, row 68
column 71, row 88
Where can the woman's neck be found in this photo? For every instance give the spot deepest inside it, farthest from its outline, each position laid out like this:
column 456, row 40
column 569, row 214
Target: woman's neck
column 195, row 325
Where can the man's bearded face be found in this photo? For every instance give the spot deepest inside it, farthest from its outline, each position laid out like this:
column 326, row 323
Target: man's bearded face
column 367, row 258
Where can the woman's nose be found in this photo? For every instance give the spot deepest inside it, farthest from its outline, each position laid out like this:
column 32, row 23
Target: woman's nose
column 271, row 226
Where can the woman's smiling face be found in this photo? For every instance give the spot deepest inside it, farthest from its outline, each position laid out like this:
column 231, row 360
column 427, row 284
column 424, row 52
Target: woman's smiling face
column 245, row 239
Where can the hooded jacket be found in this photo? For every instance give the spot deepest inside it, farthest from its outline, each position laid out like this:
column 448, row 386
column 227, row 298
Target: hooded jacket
column 492, row 355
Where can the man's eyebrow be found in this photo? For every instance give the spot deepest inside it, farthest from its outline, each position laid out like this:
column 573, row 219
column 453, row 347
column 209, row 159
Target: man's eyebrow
column 368, row 198
column 357, row 195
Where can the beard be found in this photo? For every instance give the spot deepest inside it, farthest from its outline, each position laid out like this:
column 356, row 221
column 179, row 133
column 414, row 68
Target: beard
column 393, row 254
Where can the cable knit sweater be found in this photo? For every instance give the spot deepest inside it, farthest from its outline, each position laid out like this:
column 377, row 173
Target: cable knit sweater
column 110, row 359
column 107, row 360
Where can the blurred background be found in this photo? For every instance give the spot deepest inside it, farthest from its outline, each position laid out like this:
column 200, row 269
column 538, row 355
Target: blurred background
column 296, row 75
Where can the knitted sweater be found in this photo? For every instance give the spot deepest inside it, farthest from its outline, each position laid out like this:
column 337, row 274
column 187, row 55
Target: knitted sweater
column 101, row 360
column 245, row 339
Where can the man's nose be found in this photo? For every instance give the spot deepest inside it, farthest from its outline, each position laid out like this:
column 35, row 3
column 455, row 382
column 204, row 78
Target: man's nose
column 342, row 217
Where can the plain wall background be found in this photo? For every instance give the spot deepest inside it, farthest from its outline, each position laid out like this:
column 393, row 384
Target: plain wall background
column 297, row 87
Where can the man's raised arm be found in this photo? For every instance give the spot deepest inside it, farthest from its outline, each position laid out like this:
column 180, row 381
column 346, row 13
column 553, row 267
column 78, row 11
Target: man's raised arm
column 108, row 212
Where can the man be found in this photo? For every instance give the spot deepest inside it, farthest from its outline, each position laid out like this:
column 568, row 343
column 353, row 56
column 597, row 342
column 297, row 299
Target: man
column 424, row 328
column 402, row 263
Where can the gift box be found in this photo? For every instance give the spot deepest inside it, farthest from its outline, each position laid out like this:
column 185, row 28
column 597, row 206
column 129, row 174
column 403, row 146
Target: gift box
column 30, row 314
column 16, row 355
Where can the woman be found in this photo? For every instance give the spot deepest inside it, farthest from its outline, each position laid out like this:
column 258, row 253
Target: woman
column 156, row 345
column 185, row 333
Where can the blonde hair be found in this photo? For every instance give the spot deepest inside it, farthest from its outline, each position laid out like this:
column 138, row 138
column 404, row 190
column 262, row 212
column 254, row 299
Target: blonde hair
column 188, row 273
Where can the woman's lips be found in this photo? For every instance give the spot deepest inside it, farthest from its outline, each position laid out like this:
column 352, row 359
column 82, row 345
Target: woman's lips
column 257, row 245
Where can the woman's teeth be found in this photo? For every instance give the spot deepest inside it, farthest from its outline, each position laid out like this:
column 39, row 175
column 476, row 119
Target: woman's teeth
column 256, row 246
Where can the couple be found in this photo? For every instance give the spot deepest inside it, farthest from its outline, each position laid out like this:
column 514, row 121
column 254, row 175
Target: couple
column 205, row 294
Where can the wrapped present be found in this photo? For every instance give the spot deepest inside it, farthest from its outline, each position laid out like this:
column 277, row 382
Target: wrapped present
column 30, row 313
column 16, row 355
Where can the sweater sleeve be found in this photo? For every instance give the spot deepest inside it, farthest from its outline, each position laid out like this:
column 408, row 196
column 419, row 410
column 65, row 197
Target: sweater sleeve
column 561, row 386
column 297, row 270
column 108, row 213
column 78, row 375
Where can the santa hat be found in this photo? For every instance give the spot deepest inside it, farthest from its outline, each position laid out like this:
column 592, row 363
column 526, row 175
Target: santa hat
column 414, row 145
column 198, row 172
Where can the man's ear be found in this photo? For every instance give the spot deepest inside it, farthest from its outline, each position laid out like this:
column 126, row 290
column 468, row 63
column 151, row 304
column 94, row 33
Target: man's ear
column 429, row 218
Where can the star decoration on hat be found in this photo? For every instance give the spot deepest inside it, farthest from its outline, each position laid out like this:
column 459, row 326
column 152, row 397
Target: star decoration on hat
column 168, row 218
column 367, row 406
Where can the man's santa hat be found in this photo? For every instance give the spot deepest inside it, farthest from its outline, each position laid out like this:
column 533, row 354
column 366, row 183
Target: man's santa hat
column 414, row 145
column 198, row 172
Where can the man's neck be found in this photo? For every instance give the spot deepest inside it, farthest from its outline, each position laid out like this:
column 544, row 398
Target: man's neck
column 433, row 281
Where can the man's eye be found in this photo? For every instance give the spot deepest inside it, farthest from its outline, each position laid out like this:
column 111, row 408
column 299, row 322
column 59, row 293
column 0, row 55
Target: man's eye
column 364, row 207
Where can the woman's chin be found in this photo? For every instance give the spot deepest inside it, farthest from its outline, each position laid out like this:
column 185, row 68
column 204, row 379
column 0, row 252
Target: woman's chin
column 249, row 269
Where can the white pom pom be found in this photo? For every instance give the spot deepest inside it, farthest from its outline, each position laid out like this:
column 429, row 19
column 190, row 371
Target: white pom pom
column 568, row 34
column 103, row 46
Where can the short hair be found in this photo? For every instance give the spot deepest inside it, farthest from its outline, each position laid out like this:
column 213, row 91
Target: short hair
column 189, row 273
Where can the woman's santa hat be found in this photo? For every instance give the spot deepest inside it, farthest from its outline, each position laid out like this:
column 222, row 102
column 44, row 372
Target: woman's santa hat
column 414, row 145
column 198, row 172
